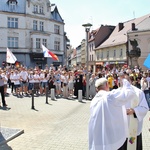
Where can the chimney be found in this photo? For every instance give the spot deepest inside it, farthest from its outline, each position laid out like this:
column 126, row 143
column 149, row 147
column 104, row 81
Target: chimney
column 120, row 26
column 133, row 26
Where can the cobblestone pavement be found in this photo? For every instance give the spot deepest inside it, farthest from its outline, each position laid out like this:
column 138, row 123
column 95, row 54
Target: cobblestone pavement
column 59, row 125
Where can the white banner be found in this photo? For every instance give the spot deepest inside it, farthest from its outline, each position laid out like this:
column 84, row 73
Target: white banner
column 10, row 58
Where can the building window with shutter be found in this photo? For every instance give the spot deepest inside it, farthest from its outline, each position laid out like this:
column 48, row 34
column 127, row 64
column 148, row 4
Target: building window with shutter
column 107, row 54
column 13, row 42
column 114, row 53
column 41, row 10
column 12, row 4
column 57, row 44
column 41, row 26
column 121, row 53
column 35, row 8
column 44, row 42
column 97, row 53
column 56, row 29
column 35, row 25
column 38, row 43
column 12, row 22
column 102, row 55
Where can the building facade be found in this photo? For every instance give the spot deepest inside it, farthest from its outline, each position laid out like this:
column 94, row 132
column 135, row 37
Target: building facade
column 141, row 34
column 96, row 38
column 26, row 25
column 113, row 52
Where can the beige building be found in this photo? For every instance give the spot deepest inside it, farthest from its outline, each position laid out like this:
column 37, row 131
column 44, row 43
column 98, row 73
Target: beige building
column 96, row 38
column 113, row 52
column 142, row 35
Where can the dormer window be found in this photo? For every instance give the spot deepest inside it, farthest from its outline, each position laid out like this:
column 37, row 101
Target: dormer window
column 12, row 4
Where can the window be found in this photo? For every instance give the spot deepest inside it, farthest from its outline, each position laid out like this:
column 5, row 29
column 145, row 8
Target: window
column 101, row 55
column 56, row 29
column 12, row 22
column 121, row 53
column 97, row 54
column 38, row 42
column 41, row 10
column 107, row 54
column 57, row 44
column 44, row 42
column 41, row 26
column 34, row 25
column 35, row 8
column 114, row 53
column 12, row 5
column 13, row 42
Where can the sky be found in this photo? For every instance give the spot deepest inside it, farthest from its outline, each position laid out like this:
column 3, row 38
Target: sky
column 75, row 13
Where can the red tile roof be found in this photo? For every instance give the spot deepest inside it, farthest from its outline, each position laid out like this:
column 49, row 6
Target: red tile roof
column 120, row 37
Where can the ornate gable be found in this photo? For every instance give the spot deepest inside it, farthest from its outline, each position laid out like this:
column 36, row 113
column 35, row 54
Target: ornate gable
column 56, row 15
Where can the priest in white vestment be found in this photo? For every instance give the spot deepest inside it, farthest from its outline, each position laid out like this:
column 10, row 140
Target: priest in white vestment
column 137, row 109
column 108, row 125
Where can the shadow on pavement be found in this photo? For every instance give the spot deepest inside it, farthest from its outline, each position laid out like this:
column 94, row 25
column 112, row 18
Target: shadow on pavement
column 5, row 147
column 34, row 109
column 82, row 102
column 5, row 108
column 48, row 103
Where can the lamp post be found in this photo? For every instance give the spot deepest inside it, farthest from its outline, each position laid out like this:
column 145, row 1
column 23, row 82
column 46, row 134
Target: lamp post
column 87, row 29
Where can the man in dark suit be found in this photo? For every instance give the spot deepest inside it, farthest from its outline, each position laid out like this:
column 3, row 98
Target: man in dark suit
column 2, row 89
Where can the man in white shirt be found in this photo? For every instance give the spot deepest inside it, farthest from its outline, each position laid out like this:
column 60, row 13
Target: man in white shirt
column 136, row 69
column 16, row 79
column 108, row 126
column 24, row 80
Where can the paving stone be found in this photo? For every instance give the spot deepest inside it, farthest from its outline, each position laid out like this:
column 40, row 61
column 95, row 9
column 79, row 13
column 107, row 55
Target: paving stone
column 59, row 125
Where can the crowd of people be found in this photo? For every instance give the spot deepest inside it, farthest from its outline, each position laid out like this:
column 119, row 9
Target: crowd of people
column 67, row 82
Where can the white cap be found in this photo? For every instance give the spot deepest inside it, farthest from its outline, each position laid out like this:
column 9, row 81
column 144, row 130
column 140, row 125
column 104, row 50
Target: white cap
column 100, row 82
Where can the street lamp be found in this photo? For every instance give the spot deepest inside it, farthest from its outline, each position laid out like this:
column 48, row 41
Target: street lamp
column 87, row 29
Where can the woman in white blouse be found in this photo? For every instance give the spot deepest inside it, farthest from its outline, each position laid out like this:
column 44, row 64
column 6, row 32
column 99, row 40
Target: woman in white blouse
column 17, row 79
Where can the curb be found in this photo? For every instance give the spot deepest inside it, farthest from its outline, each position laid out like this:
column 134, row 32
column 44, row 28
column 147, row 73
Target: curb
column 8, row 134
